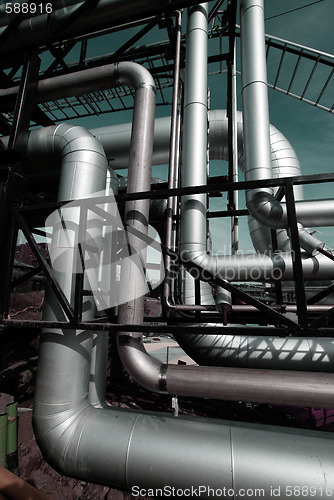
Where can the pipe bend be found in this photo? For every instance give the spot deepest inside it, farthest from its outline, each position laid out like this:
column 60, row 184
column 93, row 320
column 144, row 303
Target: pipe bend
column 134, row 75
column 145, row 370
column 266, row 209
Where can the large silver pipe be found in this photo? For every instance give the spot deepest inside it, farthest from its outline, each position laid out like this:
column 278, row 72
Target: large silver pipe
column 137, row 212
column 257, row 385
column 149, row 450
column 195, row 131
column 263, row 206
column 99, row 354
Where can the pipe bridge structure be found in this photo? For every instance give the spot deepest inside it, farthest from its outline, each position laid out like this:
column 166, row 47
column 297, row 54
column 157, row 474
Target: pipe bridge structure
column 93, row 94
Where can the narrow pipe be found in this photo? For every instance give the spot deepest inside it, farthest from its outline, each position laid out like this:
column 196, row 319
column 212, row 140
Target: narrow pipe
column 137, row 212
column 173, row 156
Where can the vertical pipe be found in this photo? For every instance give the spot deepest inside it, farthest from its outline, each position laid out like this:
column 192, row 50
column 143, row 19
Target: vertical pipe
column 232, row 132
column 173, row 150
column 254, row 91
column 12, row 459
column 194, row 225
column 137, row 212
column 235, row 219
column 3, row 438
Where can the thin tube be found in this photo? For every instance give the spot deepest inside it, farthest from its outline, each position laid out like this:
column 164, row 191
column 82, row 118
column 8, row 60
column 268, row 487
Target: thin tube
column 173, row 149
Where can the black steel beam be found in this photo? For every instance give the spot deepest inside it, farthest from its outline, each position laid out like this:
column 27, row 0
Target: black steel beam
column 321, row 295
column 11, row 194
column 205, row 275
column 25, row 277
column 213, row 12
column 324, row 319
column 163, row 193
column 169, row 329
column 296, row 256
column 47, row 270
column 119, row 52
column 24, row 102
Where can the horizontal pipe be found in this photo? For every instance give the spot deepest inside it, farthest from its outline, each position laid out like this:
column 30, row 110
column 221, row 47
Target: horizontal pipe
column 117, row 455
column 260, row 386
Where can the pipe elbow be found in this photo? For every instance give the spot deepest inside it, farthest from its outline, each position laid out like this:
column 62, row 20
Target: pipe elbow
column 134, row 75
column 145, row 370
column 58, row 431
column 266, row 209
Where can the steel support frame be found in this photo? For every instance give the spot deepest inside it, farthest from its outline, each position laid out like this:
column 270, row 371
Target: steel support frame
column 24, row 101
column 74, row 315
column 12, row 188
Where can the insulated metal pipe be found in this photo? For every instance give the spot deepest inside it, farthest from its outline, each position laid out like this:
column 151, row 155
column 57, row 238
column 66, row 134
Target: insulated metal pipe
column 195, row 132
column 66, row 424
column 137, row 212
column 263, row 206
column 116, row 142
column 261, row 386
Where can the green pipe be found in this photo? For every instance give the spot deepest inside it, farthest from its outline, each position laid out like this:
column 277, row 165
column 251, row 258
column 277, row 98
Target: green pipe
column 11, row 410
column 12, row 456
column 3, row 438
